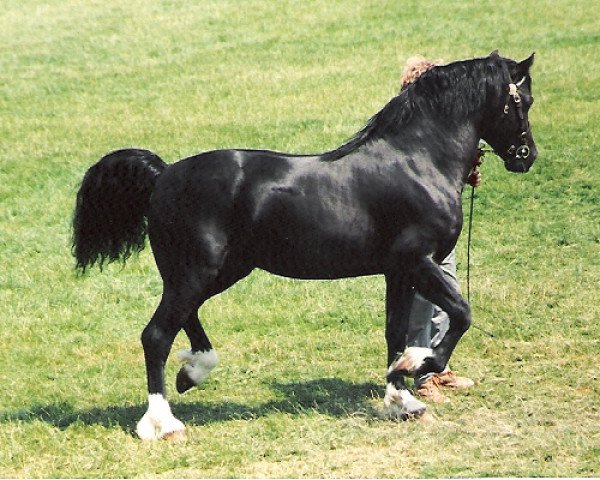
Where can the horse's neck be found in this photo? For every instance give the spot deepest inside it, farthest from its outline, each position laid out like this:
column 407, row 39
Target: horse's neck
column 448, row 148
column 457, row 154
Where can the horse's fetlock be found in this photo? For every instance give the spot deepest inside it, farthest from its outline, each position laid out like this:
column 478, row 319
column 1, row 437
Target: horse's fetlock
column 196, row 367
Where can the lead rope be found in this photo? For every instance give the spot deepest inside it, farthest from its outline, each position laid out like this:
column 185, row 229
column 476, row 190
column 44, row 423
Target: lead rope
column 469, row 234
column 480, row 153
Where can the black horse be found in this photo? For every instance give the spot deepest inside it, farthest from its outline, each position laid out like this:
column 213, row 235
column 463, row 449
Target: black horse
column 386, row 202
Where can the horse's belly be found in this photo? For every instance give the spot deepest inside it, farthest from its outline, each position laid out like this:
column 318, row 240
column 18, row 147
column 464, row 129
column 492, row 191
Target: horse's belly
column 304, row 273
column 318, row 259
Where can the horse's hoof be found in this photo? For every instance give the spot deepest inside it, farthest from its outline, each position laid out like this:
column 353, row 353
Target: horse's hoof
column 415, row 409
column 404, row 413
column 401, row 405
column 146, row 429
column 177, row 436
column 183, row 382
column 158, row 421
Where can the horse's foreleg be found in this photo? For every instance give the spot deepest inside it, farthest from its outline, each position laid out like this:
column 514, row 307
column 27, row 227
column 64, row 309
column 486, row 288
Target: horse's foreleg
column 431, row 282
column 398, row 401
column 157, row 339
column 197, row 362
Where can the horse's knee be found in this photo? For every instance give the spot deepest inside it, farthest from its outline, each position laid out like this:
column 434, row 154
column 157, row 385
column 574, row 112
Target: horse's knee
column 148, row 338
column 460, row 316
column 157, row 342
column 465, row 322
column 152, row 338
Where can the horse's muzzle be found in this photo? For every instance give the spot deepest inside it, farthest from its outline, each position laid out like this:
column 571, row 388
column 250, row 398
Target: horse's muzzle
column 521, row 158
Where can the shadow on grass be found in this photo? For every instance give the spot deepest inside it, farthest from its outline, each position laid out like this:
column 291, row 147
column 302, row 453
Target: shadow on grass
column 328, row 396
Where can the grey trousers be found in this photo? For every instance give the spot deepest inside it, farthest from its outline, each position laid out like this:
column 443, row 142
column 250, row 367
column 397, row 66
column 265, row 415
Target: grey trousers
column 428, row 323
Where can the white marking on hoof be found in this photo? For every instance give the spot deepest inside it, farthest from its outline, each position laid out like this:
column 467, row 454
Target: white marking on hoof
column 158, row 421
column 401, row 405
column 411, row 360
column 198, row 365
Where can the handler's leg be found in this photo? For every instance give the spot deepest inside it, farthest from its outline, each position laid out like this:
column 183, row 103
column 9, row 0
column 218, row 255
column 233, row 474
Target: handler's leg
column 420, row 331
column 398, row 401
column 419, row 323
column 427, row 385
column 440, row 322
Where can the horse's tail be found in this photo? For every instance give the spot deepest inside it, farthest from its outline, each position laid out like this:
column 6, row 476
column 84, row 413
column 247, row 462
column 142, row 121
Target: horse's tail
column 112, row 203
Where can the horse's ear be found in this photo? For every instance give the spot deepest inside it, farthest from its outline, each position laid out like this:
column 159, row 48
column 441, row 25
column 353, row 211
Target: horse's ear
column 524, row 66
column 495, row 53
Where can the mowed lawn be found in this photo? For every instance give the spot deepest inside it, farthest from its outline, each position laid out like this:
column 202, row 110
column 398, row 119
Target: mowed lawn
column 299, row 389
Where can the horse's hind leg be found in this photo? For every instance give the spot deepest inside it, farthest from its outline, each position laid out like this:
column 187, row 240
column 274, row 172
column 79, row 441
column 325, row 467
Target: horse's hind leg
column 201, row 359
column 157, row 339
column 178, row 310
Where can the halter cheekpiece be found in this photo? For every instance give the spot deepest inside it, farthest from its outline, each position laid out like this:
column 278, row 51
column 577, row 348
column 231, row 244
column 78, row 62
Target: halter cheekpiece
column 522, row 151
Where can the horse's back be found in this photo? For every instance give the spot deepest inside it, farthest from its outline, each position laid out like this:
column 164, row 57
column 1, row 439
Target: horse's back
column 291, row 215
column 205, row 202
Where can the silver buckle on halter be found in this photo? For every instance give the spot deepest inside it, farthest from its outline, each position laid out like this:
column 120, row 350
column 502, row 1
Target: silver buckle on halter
column 513, row 91
column 522, row 152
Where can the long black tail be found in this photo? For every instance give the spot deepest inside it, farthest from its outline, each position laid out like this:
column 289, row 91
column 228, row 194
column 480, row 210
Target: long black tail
column 112, row 203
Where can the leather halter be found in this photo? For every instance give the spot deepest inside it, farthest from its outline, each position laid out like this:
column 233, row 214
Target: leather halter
column 522, row 151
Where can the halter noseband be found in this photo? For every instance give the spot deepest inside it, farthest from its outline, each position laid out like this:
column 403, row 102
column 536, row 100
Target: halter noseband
column 522, row 151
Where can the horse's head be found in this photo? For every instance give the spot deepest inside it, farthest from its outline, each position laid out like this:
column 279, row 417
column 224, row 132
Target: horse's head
column 508, row 131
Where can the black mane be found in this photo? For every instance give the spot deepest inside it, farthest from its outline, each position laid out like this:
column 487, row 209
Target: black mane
column 452, row 91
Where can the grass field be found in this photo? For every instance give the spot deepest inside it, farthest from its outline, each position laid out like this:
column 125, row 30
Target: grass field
column 299, row 389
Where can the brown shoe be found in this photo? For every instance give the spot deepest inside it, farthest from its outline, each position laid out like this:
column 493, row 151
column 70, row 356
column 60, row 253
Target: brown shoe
column 451, row 380
column 430, row 390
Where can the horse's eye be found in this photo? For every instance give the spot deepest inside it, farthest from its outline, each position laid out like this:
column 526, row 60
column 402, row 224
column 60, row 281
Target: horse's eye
column 527, row 100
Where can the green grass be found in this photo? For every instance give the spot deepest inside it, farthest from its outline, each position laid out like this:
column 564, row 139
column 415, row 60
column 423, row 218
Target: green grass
column 299, row 388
